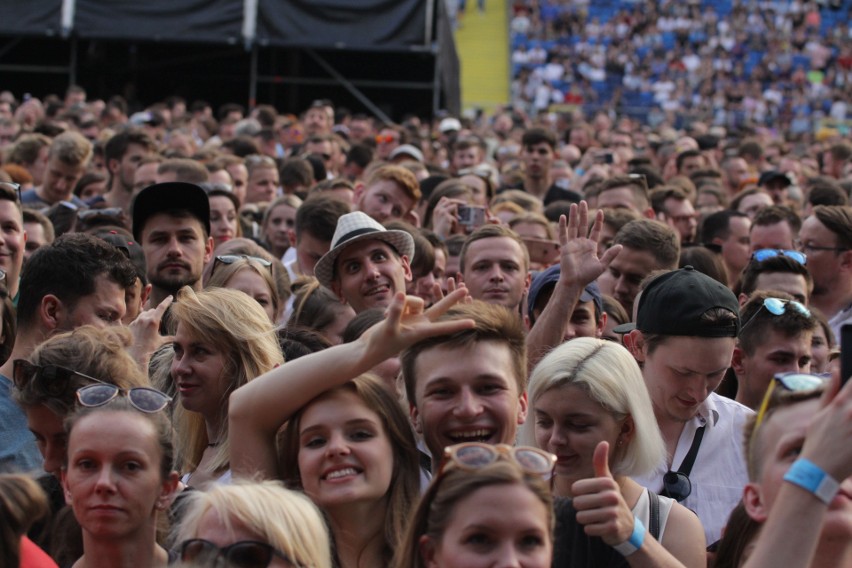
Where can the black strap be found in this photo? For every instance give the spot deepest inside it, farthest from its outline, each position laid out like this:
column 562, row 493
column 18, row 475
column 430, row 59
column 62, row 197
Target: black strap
column 425, row 461
column 654, row 515
column 689, row 460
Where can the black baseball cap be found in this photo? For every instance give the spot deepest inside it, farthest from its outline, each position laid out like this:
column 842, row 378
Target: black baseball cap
column 774, row 175
column 170, row 196
column 674, row 302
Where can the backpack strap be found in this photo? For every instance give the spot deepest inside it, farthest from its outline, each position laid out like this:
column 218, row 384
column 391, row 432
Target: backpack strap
column 654, row 514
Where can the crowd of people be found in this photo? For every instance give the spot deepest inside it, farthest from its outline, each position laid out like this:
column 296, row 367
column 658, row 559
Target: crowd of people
column 312, row 339
column 783, row 66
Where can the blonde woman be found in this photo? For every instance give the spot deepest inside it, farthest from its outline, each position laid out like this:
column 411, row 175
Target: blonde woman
column 589, row 406
column 222, row 340
column 264, row 520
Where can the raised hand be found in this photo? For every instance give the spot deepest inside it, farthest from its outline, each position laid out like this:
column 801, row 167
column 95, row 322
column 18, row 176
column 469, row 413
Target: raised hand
column 827, row 441
column 146, row 333
column 407, row 322
column 578, row 259
column 601, row 509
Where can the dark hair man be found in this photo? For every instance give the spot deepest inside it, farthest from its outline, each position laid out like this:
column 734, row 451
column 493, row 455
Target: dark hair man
column 775, row 338
column 172, row 223
column 123, row 153
column 78, row 280
column 729, row 231
column 826, row 237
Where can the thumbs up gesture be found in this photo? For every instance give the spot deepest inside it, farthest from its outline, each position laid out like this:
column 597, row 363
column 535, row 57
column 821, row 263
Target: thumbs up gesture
column 601, row 509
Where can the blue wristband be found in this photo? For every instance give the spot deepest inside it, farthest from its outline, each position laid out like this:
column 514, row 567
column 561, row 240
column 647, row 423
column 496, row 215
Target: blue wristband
column 635, row 541
column 807, row 475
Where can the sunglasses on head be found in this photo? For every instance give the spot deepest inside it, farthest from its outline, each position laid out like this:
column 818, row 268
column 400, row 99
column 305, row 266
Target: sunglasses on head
column 16, row 187
column 143, row 399
column 471, row 456
column 52, row 380
column 93, row 213
column 763, row 254
column 777, row 307
column 243, row 554
column 793, row 382
column 232, row 258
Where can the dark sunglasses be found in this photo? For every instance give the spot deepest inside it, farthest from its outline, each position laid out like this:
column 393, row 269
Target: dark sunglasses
column 232, row 258
column 763, row 254
column 243, row 554
column 143, row 399
column 52, row 380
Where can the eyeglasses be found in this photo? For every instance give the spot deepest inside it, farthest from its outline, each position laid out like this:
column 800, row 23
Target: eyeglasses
column 683, row 218
column 16, row 187
column 232, row 258
column 794, row 382
column 471, row 456
column 52, row 380
column 386, row 139
column 763, row 254
column 143, row 399
column 809, row 248
column 777, row 307
column 243, row 554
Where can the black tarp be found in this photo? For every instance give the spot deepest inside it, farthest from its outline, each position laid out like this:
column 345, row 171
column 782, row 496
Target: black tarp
column 208, row 21
column 362, row 24
column 30, row 17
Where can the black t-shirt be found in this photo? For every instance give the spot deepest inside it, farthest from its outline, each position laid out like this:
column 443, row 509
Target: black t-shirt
column 573, row 548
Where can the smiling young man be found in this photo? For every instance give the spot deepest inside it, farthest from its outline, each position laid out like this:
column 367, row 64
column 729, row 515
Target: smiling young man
column 469, row 386
column 367, row 264
column 172, row 222
column 686, row 327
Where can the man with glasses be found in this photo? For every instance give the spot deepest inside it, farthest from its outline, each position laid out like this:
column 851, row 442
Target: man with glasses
column 673, row 207
column 826, row 237
column 172, row 223
column 78, row 280
column 775, row 338
column 684, row 336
